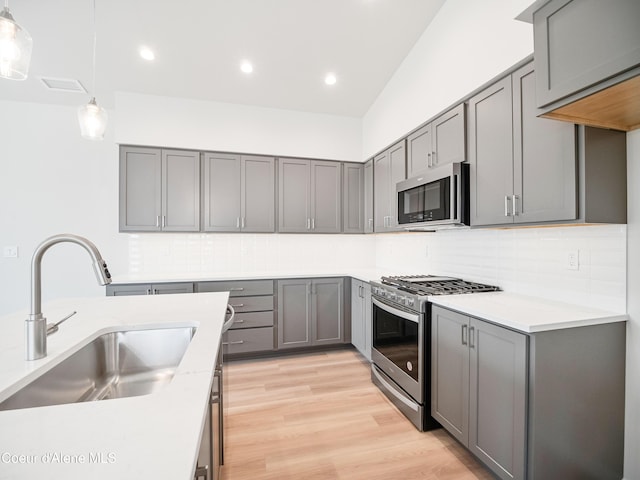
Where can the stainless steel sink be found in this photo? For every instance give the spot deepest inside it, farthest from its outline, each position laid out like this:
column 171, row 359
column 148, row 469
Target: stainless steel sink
column 121, row 364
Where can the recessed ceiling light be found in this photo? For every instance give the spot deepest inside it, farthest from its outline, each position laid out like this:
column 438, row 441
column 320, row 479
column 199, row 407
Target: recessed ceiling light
column 147, row 53
column 330, row 79
column 246, row 67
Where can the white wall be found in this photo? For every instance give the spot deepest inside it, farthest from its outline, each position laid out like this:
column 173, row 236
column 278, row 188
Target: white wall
column 467, row 44
column 184, row 123
column 632, row 411
column 53, row 181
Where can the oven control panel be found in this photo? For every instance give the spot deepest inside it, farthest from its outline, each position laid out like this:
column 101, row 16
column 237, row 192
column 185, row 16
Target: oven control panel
column 393, row 295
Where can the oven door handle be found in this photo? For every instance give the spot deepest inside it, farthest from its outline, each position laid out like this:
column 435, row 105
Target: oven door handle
column 412, row 405
column 412, row 317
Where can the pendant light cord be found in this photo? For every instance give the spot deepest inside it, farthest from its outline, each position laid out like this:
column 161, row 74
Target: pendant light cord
column 95, row 36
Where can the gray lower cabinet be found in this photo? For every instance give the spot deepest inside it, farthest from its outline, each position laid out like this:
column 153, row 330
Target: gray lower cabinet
column 440, row 142
column 389, row 169
column 368, row 197
column 253, row 302
column 159, row 190
column 542, row 406
column 149, row 289
column 310, row 312
column 361, row 322
column 309, row 196
column 579, row 43
column 238, row 193
column 479, row 388
column 522, row 168
column 353, row 219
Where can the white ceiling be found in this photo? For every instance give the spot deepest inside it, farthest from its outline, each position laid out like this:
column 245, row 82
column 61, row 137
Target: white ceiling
column 199, row 45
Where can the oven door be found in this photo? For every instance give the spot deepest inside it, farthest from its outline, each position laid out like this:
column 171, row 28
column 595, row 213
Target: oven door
column 398, row 347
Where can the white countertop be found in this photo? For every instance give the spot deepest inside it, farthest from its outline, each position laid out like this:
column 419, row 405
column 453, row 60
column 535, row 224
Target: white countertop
column 519, row 312
column 526, row 314
column 153, row 436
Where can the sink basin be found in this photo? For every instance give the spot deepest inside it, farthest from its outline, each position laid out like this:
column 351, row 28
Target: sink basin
column 120, row 364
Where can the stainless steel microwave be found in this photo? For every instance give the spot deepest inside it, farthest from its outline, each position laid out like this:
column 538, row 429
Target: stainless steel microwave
column 440, row 196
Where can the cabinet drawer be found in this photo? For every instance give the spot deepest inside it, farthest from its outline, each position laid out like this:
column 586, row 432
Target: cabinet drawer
column 248, row 340
column 252, row 304
column 239, row 288
column 253, row 319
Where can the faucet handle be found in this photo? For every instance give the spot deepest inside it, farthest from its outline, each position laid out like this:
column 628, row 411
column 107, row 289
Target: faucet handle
column 51, row 329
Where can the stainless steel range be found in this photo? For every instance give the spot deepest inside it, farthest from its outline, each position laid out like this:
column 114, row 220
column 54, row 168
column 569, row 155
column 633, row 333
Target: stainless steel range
column 401, row 347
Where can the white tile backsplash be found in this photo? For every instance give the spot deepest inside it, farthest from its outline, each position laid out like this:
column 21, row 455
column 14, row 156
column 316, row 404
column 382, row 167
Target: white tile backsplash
column 526, row 260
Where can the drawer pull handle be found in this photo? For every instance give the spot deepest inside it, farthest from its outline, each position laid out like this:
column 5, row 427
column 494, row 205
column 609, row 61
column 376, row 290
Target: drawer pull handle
column 238, row 321
column 238, row 305
column 238, row 342
column 236, row 289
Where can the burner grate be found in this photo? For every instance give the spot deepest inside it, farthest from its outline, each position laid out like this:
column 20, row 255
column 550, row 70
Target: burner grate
column 432, row 285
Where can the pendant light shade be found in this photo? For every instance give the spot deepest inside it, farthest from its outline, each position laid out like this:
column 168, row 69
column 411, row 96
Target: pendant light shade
column 15, row 48
column 91, row 117
column 93, row 120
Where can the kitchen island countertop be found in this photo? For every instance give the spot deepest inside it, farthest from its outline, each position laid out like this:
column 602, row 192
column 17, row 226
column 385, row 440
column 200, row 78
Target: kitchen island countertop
column 151, row 436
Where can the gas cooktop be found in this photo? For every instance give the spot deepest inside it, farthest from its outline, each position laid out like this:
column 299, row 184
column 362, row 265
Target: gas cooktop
column 434, row 285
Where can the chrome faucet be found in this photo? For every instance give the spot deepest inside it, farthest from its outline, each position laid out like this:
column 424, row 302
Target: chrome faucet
column 36, row 324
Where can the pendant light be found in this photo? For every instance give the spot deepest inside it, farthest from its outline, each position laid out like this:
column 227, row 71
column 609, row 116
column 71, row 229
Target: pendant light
column 93, row 118
column 15, row 47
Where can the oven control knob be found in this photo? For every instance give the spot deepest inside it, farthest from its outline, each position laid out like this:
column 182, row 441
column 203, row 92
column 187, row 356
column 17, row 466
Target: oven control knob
column 410, row 302
column 402, row 299
column 393, row 296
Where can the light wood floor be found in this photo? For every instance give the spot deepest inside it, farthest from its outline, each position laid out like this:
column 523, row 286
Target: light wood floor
column 319, row 417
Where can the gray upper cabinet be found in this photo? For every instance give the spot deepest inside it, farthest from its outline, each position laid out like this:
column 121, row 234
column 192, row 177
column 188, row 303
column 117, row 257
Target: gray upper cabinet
column 353, row 195
column 579, row 43
column 544, row 158
column 440, row 142
column 368, row 197
column 389, row 169
column 310, row 312
column 419, row 151
column 479, row 389
column 159, row 190
column 221, row 192
column 309, row 196
column 491, row 154
column 239, row 193
column 522, row 168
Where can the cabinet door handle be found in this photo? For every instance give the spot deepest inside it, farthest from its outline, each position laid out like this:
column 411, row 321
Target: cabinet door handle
column 155, row 291
column 514, row 204
column 464, row 334
column 240, row 305
column 237, row 342
column 236, row 289
column 434, row 159
column 242, row 222
column 371, row 223
column 308, row 224
column 237, row 222
column 313, row 224
column 164, row 221
column 471, row 339
column 157, row 220
column 238, row 321
column 148, row 291
column 506, row 206
column 429, row 164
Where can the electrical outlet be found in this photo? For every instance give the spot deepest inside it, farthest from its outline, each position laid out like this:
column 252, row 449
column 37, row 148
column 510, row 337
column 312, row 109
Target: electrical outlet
column 10, row 252
column 573, row 260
